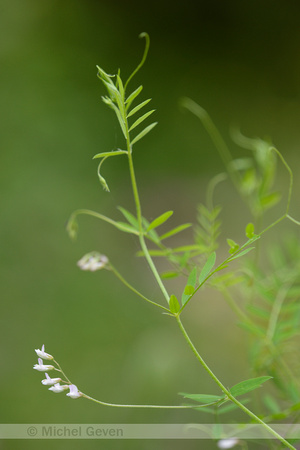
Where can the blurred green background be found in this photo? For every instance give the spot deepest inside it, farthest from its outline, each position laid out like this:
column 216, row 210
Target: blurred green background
column 240, row 61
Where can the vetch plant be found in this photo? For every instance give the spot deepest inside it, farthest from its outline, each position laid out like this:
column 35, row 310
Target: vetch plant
column 271, row 311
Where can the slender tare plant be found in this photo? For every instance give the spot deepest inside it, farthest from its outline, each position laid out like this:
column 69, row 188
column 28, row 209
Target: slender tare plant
column 269, row 297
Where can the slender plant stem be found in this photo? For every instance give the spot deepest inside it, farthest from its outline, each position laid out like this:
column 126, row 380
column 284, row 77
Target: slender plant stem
column 122, row 279
column 117, row 405
column 226, row 391
column 139, row 216
column 101, row 217
column 227, row 159
column 60, row 370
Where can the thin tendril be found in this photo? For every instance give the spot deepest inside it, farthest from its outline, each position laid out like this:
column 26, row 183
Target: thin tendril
column 147, row 45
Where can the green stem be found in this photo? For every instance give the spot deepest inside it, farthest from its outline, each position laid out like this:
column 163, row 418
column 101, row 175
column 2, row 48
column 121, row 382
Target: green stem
column 119, row 276
column 117, row 405
column 125, row 406
column 60, row 370
column 226, row 391
column 102, row 217
column 139, row 217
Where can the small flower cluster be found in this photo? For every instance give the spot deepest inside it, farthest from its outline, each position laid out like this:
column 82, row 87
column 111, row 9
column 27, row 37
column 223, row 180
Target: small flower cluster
column 56, row 387
column 92, row 261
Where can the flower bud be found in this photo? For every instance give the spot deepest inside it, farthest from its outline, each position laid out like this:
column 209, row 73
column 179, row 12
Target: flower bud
column 92, row 261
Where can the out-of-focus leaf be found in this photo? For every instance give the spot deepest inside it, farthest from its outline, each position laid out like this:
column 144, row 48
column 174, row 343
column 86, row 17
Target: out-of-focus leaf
column 259, row 312
column 233, row 246
column 248, row 385
column 255, row 329
column 169, row 275
column 202, row 398
column 270, row 200
column 188, row 290
column 271, row 404
column 249, row 230
column 187, row 248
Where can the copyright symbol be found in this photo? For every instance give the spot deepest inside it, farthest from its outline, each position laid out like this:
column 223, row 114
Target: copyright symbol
column 32, row 431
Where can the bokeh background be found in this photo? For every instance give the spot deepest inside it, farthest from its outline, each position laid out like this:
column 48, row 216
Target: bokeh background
column 240, row 61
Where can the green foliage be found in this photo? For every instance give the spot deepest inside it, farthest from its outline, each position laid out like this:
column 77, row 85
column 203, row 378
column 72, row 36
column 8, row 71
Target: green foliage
column 190, row 286
column 208, row 266
column 174, row 304
column 208, row 230
column 203, row 398
column 159, row 220
column 264, row 295
column 233, row 246
column 249, row 230
column 248, row 385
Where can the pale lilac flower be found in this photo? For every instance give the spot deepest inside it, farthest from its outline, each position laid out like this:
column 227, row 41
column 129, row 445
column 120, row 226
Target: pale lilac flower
column 228, row 443
column 74, row 393
column 42, row 367
column 42, row 354
column 57, row 388
column 50, row 381
column 92, row 262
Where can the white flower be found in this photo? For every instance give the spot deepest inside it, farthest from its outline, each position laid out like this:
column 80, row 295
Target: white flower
column 228, row 443
column 42, row 354
column 92, row 262
column 50, row 381
column 42, row 367
column 57, row 388
column 74, row 393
